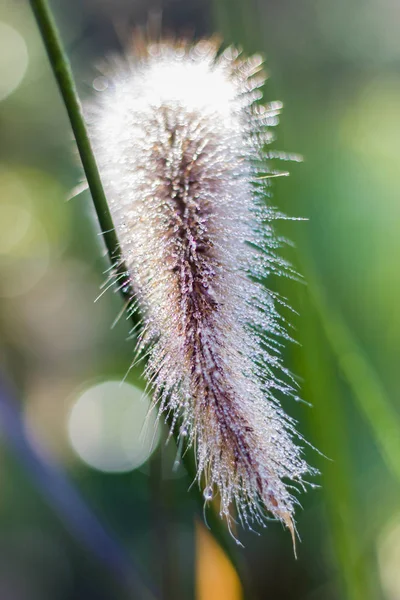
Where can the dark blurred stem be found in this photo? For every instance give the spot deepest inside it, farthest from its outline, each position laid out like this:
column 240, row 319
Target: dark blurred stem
column 163, row 540
column 214, row 521
column 62, row 72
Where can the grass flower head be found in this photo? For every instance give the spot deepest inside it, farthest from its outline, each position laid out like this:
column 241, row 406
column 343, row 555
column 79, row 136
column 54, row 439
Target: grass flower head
column 180, row 135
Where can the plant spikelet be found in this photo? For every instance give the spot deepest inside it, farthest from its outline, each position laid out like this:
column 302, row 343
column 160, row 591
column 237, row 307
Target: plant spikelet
column 179, row 136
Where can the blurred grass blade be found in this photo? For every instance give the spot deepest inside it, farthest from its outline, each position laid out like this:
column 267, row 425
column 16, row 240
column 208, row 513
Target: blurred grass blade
column 329, row 431
column 364, row 382
column 60, row 494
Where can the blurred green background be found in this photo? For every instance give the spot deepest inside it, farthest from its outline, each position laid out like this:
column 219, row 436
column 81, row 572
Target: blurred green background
column 89, row 506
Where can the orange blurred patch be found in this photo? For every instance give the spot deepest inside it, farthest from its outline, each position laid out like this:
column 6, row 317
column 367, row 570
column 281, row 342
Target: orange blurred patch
column 216, row 579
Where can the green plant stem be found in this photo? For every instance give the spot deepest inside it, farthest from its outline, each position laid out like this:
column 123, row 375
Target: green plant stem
column 62, row 71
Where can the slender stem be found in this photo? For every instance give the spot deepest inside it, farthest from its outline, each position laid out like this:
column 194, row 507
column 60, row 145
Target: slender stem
column 62, row 72
column 163, row 548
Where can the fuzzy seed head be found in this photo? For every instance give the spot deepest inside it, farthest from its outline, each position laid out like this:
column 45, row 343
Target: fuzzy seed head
column 179, row 137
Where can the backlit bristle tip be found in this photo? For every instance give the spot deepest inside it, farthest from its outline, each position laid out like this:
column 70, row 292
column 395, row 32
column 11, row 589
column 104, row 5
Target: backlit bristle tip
column 179, row 137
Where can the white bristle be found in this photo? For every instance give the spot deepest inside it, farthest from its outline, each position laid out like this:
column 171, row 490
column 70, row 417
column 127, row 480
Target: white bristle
column 179, row 135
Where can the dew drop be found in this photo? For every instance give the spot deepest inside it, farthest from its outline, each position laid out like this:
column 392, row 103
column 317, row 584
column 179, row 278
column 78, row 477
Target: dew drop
column 208, row 493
